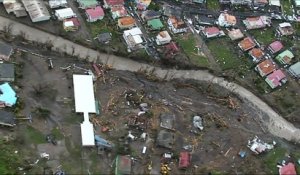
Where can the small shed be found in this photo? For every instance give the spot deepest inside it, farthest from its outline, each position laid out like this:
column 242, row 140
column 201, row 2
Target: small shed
column 7, row 72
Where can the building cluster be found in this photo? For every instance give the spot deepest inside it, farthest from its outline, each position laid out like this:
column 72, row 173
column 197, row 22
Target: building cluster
column 272, row 61
column 8, row 96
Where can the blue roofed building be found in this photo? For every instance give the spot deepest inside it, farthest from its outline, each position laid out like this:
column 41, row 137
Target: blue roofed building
column 7, row 95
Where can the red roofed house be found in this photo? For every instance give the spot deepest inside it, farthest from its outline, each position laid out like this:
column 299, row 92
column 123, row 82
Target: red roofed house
column 246, row 44
column 211, row 32
column 275, row 79
column 257, row 54
column 113, row 3
column 275, row 47
column 288, row 169
column 94, row 14
column 71, row 24
column 184, row 160
column 266, row 67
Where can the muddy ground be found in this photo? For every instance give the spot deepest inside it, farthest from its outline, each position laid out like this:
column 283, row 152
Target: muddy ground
column 215, row 149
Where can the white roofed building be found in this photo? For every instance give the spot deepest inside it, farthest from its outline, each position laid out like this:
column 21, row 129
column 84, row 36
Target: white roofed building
column 274, row 3
column 64, row 13
column 85, row 103
column 133, row 38
column 15, row 7
column 57, row 3
column 163, row 37
column 37, row 10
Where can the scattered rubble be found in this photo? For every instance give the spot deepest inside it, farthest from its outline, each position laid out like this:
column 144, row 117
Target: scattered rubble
column 258, row 146
column 198, row 123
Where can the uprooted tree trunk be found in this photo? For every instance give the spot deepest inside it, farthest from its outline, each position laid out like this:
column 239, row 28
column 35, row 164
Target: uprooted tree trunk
column 49, row 45
column 7, row 29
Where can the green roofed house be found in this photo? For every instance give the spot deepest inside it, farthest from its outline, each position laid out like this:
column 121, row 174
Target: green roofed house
column 123, row 165
column 285, row 57
column 155, row 24
column 84, row 4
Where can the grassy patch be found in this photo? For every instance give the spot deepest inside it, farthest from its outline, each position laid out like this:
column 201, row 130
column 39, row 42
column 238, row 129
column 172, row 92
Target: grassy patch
column 261, row 85
column 9, row 160
column 188, row 43
column 35, row 135
column 57, row 134
column 224, row 54
column 272, row 157
column 213, row 4
column 265, row 36
column 101, row 27
column 287, row 7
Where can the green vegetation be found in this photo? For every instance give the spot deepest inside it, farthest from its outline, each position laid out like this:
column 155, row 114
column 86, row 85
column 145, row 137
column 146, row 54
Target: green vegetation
column 223, row 53
column 265, row 36
column 34, row 135
column 213, row 5
column 286, row 100
column 261, row 85
column 10, row 161
column 188, row 44
column 154, row 6
column 42, row 113
column 272, row 157
column 103, row 26
column 287, row 7
column 57, row 134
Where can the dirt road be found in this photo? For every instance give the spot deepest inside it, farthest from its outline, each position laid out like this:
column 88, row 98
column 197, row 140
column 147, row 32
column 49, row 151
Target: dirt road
column 274, row 122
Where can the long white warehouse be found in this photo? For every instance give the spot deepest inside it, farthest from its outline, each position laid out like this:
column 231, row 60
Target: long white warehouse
column 85, row 103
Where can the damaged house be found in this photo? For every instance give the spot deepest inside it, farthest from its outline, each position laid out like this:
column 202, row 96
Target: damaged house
column 167, row 121
column 177, row 25
column 235, row 34
column 133, row 38
column 285, row 29
column 165, row 139
column 163, row 37
column 210, row 32
column 15, row 7
column 226, row 20
column 257, row 22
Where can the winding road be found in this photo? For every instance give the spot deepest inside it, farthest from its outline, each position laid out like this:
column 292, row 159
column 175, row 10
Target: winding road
column 275, row 123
